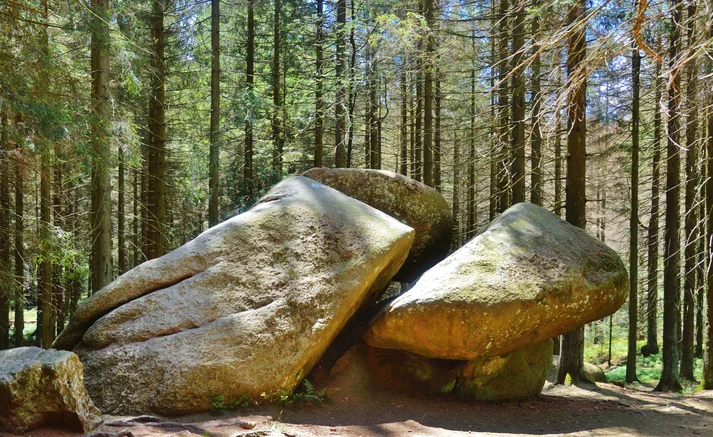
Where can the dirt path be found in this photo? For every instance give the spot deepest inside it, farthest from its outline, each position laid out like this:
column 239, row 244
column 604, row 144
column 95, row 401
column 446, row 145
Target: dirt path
column 603, row 410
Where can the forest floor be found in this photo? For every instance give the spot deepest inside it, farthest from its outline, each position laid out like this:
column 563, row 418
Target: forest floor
column 585, row 410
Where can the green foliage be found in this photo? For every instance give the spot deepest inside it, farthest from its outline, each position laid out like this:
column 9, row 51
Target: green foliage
column 648, row 371
column 306, row 394
column 220, row 403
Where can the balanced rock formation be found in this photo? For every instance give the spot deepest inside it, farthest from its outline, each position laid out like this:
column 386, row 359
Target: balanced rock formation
column 245, row 309
column 413, row 203
column 40, row 387
column 528, row 277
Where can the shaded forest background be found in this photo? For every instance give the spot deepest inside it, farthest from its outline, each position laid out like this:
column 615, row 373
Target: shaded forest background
column 129, row 127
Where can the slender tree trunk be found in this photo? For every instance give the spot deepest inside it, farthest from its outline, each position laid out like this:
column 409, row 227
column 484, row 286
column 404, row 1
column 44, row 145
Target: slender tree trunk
column 319, row 85
column 373, row 117
column 5, row 266
column 455, row 244
column 157, row 139
column 403, row 155
column 428, row 7
column 437, row 177
column 145, row 198
column 702, row 260
column 352, row 88
column 471, row 224
column 652, row 282
column 494, row 132
column 58, row 285
column 691, row 216
column 19, row 248
column 340, row 128
column 121, row 213
column 45, row 284
column 517, row 169
column 135, row 235
column 418, row 149
column 558, row 167
column 503, row 106
column 672, row 257
column 572, row 359
column 101, row 178
column 45, row 327
column 634, row 219
column 214, row 158
column 250, row 80
column 707, row 383
column 276, row 95
column 536, row 138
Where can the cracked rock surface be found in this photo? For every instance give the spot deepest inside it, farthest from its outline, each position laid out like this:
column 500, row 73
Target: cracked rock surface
column 245, row 309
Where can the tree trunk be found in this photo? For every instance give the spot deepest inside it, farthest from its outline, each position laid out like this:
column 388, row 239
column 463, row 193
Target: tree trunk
column 572, row 358
column 403, row 138
column 634, row 219
column 503, row 107
column 5, row 266
column 157, row 139
column 691, row 216
column 373, row 107
column 352, row 87
column 418, row 149
column 428, row 6
column 455, row 244
column 652, row 243
column 470, row 229
column 121, row 213
column 45, row 283
column 58, row 286
column 437, row 176
column 672, row 255
column 558, row 167
column 340, row 128
column 19, row 247
column 101, row 178
column 517, row 169
column 536, row 138
column 707, row 383
column 277, row 135
column 494, row 133
column 135, row 234
column 214, row 158
column 250, row 80
column 319, row 85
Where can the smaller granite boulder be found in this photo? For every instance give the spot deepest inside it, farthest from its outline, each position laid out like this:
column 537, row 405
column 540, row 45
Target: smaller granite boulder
column 527, row 277
column 413, row 203
column 515, row 375
column 594, row 373
column 40, row 387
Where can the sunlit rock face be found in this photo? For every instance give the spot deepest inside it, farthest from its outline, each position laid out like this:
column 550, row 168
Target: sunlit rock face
column 527, row 277
column 411, row 202
column 245, row 309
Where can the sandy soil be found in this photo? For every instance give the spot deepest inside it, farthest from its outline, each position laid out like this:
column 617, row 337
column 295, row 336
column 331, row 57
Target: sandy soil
column 587, row 410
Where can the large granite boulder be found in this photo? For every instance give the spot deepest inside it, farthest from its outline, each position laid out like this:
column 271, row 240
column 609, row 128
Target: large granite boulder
column 246, row 309
column 40, row 387
column 413, row 203
column 528, row 277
